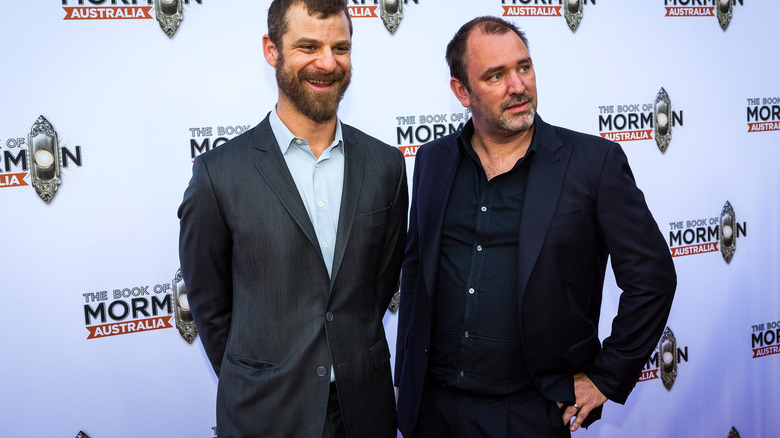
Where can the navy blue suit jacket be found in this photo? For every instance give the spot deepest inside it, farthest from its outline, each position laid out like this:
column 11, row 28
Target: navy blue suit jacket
column 581, row 206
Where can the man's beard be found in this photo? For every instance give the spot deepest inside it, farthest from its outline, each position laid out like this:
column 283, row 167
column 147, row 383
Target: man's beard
column 502, row 121
column 317, row 106
column 517, row 124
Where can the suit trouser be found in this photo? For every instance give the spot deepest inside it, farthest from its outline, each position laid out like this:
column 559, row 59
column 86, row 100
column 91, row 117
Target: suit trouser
column 334, row 423
column 450, row 413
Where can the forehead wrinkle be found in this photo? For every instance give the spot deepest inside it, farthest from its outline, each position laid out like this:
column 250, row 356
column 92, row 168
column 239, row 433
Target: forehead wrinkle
column 301, row 22
column 491, row 70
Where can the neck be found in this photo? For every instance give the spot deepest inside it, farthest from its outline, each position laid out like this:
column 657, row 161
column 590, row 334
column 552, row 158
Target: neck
column 319, row 135
column 499, row 153
column 501, row 143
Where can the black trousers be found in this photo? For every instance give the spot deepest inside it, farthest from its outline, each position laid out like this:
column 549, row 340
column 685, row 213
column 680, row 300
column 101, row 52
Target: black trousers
column 449, row 413
column 334, row 423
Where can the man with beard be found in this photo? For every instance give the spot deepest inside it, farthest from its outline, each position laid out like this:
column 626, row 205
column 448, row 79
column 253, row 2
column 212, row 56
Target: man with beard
column 511, row 224
column 291, row 243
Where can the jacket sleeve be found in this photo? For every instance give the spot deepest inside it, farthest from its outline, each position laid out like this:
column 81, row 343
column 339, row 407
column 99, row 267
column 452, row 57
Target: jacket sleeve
column 205, row 247
column 644, row 272
column 392, row 254
column 408, row 277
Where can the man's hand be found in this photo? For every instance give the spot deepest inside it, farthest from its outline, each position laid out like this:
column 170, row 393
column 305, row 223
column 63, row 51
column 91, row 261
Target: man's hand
column 587, row 398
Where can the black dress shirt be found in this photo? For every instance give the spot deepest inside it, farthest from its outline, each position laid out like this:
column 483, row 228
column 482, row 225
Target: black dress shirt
column 475, row 337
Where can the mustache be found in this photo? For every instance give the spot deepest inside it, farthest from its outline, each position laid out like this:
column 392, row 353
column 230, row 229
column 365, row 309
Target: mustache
column 514, row 100
column 334, row 76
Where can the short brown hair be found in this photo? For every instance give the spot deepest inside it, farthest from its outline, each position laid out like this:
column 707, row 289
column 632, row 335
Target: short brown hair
column 456, row 49
column 277, row 23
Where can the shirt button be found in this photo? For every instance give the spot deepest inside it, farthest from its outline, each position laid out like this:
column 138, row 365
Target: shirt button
column 317, row 165
column 298, row 141
column 471, row 291
column 324, row 244
column 321, row 371
column 321, row 204
column 483, row 208
column 329, row 316
column 479, row 247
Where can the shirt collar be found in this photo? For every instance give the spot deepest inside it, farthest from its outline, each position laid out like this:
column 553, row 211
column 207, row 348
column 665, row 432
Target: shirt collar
column 285, row 137
column 464, row 139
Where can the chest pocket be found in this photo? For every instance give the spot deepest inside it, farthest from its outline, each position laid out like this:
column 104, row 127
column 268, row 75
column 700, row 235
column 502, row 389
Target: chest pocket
column 373, row 218
column 566, row 219
column 566, row 227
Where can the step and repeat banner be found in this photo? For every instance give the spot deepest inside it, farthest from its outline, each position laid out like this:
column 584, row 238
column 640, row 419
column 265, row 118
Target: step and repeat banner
column 105, row 103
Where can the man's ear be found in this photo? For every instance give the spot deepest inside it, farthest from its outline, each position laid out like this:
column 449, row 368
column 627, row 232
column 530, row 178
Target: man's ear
column 461, row 92
column 270, row 51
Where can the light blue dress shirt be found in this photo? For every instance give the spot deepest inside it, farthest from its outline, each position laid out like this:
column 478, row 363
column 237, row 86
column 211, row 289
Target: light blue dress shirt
column 320, row 182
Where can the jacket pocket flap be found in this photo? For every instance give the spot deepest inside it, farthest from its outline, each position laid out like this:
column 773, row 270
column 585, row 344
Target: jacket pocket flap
column 371, row 218
column 249, row 363
column 564, row 219
column 380, row 352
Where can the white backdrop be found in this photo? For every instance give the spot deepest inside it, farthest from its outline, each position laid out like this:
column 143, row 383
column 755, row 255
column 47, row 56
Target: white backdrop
column 131, row 106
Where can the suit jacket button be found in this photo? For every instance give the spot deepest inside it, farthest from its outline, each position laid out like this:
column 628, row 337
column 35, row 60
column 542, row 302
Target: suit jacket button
column 329, row 316
column 426, row 351
column 321, row 371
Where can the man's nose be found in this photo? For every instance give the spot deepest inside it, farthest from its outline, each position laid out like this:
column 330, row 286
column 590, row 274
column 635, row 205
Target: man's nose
column 325, row 60
column 515, row 84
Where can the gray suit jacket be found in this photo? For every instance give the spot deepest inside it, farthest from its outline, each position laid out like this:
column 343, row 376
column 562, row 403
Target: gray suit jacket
column 270, row 319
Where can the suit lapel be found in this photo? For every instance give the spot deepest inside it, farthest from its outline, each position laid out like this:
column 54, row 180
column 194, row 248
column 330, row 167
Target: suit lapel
column 272, row 167
column 354, row 169
column 543, row 188
column 432, row 204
